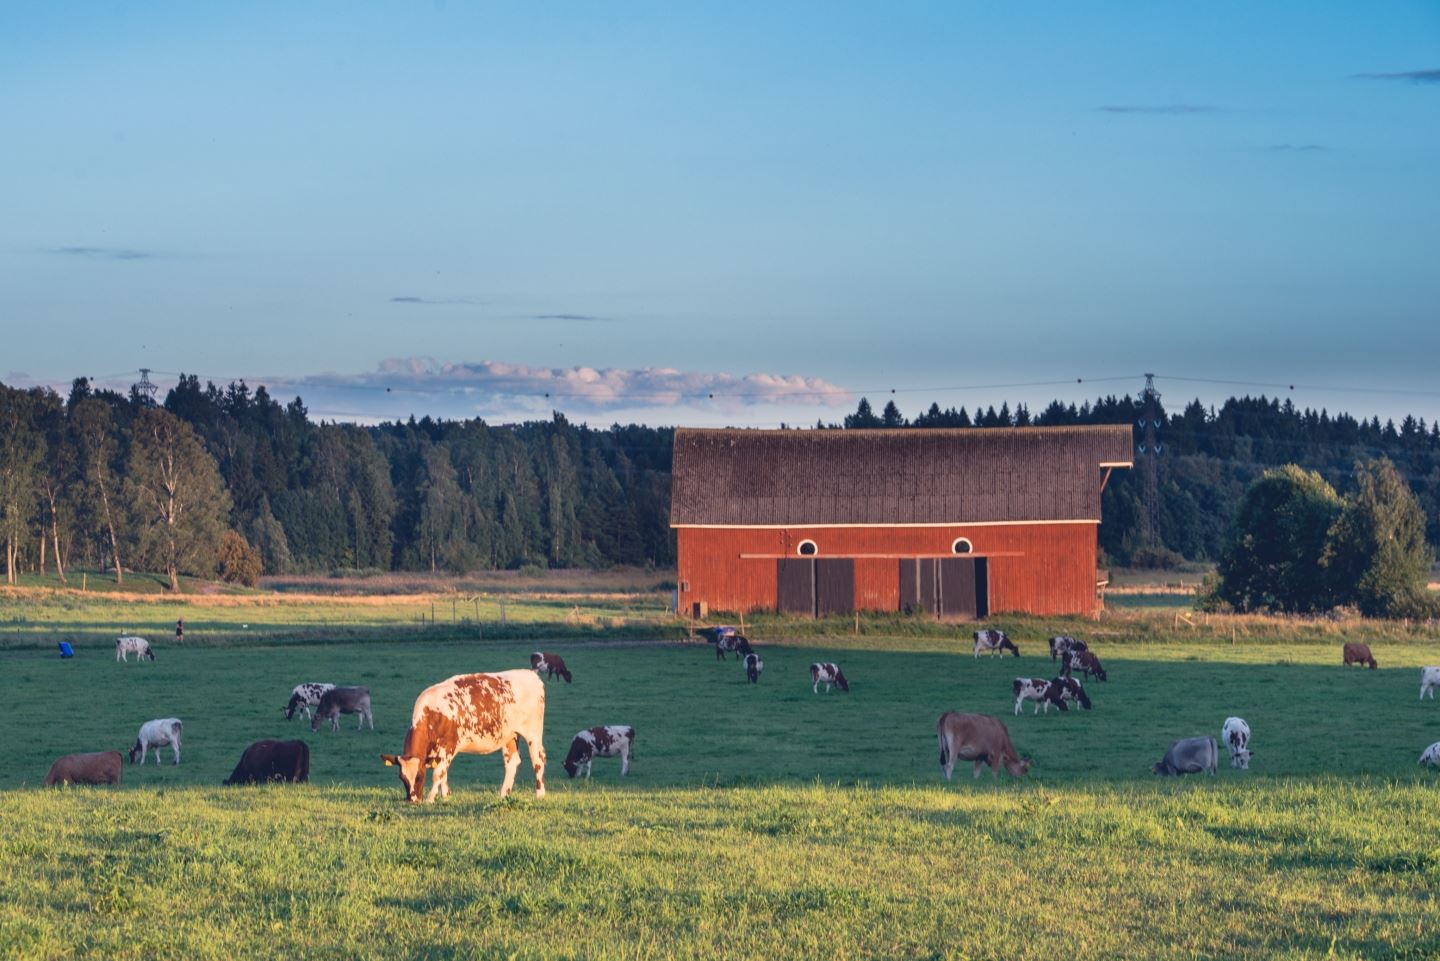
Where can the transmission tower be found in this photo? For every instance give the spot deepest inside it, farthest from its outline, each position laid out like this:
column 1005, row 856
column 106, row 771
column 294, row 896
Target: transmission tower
column 143, row 390
column 1151, row 419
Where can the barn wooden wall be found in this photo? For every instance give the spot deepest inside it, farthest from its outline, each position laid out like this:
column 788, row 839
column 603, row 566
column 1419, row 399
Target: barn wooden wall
column 1055, row 573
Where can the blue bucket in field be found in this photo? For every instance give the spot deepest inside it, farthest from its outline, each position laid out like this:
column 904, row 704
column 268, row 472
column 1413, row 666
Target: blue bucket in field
column 65, row 649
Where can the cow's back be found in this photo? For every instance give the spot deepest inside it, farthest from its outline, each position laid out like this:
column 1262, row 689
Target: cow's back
column 481, row 712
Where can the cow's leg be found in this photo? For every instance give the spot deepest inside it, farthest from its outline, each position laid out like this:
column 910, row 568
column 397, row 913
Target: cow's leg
column 510, row 751
column 815, row 687
column 176, row 746
column 624, row 759
column 441, row 769
column 1018, row 702
column 978, row 762
column 537, row 761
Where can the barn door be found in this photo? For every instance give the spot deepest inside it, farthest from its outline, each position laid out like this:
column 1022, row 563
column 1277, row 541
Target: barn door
column 834, row 586
column 962, row 590
column 796, row 579
column 917, row 585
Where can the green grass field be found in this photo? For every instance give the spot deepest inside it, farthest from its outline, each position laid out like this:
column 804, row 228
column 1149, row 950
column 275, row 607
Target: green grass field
column 759, row 820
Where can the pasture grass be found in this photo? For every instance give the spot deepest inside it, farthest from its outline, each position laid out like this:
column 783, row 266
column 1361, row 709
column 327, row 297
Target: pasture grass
column 758, row 821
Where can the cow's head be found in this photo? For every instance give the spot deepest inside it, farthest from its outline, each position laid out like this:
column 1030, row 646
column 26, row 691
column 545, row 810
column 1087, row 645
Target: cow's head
column 412, row 773
column 580, row 752
column 151, row 655
column 1079, row 691
column 1018, row 766
column 1007, row 645
column 135, row 752
column 315, row 721
column 289, row 709
column 1241, row 759
column 1161, row 768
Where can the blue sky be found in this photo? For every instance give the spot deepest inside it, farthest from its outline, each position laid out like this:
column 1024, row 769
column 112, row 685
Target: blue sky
column 635, row 206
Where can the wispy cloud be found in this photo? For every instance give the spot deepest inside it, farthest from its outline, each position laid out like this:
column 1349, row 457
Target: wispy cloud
column 1165, row 109
column 566, row 317
column 1299, row 147
column 433, row 301
column 516, row 390
column 1412, row 76
column 103, row 253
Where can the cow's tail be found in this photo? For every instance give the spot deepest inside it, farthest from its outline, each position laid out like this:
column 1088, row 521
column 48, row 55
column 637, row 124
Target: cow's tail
column 944, row 748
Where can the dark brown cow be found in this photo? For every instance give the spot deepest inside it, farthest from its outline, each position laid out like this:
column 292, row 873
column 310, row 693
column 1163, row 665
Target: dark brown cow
column 473, row 714
column 1357, row 653
column 979, row 738
column 101, row 767
column 543, row 662
column 272, row 761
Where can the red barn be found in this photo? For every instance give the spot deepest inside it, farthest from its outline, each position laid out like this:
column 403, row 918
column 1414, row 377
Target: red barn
column 959, row 523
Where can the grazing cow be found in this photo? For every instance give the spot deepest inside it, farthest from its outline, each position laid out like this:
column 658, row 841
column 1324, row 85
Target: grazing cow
column 156, row 734
column 1189, row 755
column 473, row 714
column 978, row 738
column 543, row 662
column 753, row 667
column 1357, row 653
column 596, row 742
column 994, row 641
column 127, row 644
column 1044, row 693
column 732, row 643
column 1236, row 735
column 343, row 700
column 1431, row 756
column 306, row 697
column 1063, row 644
column 100, row 767
column 272, row 761
column 1086, row 663
column 1429, row 680
column 827, row 674
column 713, row 634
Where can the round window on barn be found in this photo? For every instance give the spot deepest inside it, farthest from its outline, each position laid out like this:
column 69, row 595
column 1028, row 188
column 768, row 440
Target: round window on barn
column 807, row 549
column 962, row 545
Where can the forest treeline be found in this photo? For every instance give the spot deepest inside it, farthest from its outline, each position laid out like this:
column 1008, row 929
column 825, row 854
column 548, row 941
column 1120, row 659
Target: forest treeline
column 230, row 481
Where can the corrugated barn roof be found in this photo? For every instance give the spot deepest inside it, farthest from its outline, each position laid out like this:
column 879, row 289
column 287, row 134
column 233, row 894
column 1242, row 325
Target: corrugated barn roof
column 800, row 477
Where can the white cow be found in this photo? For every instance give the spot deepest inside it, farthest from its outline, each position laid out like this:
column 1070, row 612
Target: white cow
column 1431, row 755
column 157, row 734
column 1429, row 680
column 127, row 644
column 1236, row 735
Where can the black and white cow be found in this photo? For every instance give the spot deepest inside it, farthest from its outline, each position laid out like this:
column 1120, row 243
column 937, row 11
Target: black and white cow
column 1044, row 693
column 1236, row 736
column 1190, row 755
column 827, row 674
column 127, row 644
column 343, row 700
column 607, row 741
column 1431, row 755
column 736, row 644
column 1063, row 644
column 306, row 697
column 994, row 641
column 753, row 667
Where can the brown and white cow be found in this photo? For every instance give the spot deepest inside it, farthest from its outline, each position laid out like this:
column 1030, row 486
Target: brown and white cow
column 1086, row 663
column 473, row 714
column 1357, row 653
column 994, row 641
column 607, row 741
column 827, row 673
column 1044, row 693
column 272, row 761
column 99, row 767
column 979, row 738
column 343, row 700
column 543, row 662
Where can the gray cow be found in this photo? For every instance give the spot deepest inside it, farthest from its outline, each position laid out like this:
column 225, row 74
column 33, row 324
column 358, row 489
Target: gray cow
column 1189, row 755
column 343, row 700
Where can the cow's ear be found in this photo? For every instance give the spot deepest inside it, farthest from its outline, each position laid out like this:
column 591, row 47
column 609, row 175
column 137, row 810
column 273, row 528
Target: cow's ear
column 431, row 761
column 390, row 760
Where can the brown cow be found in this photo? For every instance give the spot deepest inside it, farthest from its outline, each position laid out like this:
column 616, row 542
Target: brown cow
column 272, row 761
column 1357, row 653
column 978, row 738
column 543, row 662
column 101, row 767
column 473, row 714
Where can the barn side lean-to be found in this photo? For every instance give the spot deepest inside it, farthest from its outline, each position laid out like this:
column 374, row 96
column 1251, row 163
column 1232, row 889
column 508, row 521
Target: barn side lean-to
column 958, row 523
